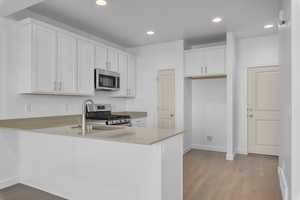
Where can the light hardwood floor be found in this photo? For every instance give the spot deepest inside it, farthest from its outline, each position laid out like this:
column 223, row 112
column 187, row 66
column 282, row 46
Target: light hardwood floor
column 22, row 192
column 207, row 176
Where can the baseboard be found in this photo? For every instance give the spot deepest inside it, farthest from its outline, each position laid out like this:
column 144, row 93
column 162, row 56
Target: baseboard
column 283, row 184
column 230, row 156
column 8, row 182
column 208, row 148
column 187, row 149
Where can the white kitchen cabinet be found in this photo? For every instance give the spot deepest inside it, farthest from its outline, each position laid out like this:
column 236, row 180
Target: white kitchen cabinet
column 123, row 70
column 141, row 122
column 85, row 53
column 205, row 61
column 112, row 60
column 66, row 63
column 40, row 64
column 101, row 57
column 131, row 77
column 215, row 60
column 53, row 62
column 127, row 76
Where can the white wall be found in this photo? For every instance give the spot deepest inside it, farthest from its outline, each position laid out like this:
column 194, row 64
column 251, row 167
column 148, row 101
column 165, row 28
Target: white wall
column 295, row 101
column 14, row 105
column 285, row 115
column 251, row 52
column 8, row 140
column 209, row 107
column 150, row 59
column 188, row 115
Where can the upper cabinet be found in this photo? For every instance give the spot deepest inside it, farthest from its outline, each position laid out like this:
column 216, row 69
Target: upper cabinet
column 66, row 63
column 42, row 49
column 126, row 63
column 106, row 58
column 59, row 62
column 131, row 77
column 54, row 61
column 112, row 60
column 86, row 59
column 205, row 61
column 101, row 57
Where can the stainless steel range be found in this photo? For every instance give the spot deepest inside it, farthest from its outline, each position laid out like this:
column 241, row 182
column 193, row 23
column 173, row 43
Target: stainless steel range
column 103, row 112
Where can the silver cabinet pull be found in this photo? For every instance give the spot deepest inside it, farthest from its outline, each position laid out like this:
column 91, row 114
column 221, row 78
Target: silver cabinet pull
column 55, row 85
column 201, row 70
column 205, row 69
column 60, row 85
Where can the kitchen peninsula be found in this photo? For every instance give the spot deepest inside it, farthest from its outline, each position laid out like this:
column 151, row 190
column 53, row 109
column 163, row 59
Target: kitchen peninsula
column 121, row 163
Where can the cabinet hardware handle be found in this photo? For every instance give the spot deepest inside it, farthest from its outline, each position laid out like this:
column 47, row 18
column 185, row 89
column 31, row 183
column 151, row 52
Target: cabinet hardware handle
column 60, row 85
column 205, row 69
column 250, row 116
column 172, row 115
column 201, row 70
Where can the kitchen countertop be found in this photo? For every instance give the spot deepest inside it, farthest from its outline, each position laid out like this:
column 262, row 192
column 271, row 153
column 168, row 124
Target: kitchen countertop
column 134, row 135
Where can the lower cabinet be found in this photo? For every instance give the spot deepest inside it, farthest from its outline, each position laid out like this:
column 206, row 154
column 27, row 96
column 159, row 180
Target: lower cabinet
column 81, row 168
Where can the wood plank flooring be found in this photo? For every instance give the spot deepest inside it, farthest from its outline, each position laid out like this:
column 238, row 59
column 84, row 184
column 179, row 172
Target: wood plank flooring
column 207, row 176
column 23, row 192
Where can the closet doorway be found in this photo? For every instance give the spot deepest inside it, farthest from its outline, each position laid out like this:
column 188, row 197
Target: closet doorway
column 166, row 99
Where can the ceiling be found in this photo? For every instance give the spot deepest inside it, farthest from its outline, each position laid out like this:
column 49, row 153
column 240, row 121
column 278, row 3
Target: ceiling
column 8, row 7
column 125, row 22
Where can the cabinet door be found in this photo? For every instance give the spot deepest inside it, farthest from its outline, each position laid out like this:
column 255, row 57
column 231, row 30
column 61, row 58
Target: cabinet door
column 44, row 62
column 215, row 61
column 112, row 59
column 66, row 63
column 123, row 63
column 172, row 168
column 85, row 67
column 131, row 76
column 101, row 57
column 194, row 63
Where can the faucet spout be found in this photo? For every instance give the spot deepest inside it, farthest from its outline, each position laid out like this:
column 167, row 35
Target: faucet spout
column 83, row 117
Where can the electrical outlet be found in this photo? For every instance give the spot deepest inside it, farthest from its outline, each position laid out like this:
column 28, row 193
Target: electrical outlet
column 28, row 108
column 209, row 138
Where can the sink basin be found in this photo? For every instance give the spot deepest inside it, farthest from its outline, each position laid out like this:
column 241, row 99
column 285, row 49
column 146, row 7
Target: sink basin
column 108, row 128
column 95, row 127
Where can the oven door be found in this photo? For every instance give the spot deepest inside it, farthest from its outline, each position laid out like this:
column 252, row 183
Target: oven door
column 106, row 80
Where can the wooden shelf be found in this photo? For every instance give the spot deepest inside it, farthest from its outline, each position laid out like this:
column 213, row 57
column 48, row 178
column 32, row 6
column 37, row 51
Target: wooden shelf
column 209, row 77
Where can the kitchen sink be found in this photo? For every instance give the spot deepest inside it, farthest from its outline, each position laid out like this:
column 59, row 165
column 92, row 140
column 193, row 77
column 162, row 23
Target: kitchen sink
column 98, row 127
column 108, row 128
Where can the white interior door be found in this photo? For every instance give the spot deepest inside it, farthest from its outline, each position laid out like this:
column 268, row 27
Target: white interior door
column 166, row 99
column 263, row 110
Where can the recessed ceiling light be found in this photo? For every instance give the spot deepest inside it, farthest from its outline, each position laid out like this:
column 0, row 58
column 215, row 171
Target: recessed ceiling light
column 150, row 32
column 101, row 2
column 267, row 26
column 217, row 20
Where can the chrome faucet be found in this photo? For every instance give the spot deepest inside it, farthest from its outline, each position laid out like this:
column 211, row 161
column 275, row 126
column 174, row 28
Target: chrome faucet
column 83, row 117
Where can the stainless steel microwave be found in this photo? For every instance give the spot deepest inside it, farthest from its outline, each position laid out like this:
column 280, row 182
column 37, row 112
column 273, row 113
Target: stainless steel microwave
column 107, row 80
